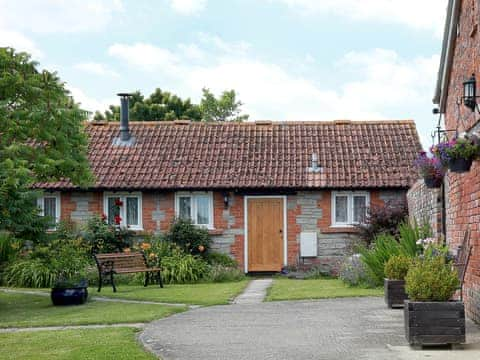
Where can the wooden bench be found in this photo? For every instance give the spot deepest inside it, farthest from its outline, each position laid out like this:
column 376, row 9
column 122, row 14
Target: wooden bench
column 462, row 258
column 124, row 263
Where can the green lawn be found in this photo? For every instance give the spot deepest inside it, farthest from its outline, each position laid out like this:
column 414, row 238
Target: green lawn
column 98, row 344
column 200, row 294
column 288, row 289
column 19, row 310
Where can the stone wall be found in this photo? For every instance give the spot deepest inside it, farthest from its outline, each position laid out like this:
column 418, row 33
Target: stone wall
column 425, row 207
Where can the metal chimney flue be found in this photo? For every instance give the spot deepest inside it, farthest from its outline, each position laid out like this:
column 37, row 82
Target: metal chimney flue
column 124, row 129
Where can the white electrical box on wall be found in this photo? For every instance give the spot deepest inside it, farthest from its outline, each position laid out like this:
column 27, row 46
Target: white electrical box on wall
column 308, row 244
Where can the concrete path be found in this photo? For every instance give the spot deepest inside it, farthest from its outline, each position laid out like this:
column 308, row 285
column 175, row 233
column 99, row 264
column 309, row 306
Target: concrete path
column 254, row 293
column 72, row 327
column 351, row 328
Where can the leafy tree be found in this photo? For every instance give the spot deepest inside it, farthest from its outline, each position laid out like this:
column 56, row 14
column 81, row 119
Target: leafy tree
column 159, row 106
column 225, row 108
column 42, row 138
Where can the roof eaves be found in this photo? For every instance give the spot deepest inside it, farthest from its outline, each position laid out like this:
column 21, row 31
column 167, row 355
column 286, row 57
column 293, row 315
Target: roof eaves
column 446, row 59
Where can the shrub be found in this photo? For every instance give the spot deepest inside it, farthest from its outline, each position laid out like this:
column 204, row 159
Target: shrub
column 383, row 219
column 190, row 238
column 9, row 247
column 385, row 246
column 222, row 273
column 353, row 272
column 317, row 272
column 431, row 279
column 103, row 238
column 396, row 267
column 43, row 266
column 216, row 258
column 180, row 268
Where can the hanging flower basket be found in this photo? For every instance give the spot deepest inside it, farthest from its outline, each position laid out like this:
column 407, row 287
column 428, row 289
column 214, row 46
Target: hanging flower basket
column 457, row 154
column 460, row 165
column 431, row 169
column 433, row 182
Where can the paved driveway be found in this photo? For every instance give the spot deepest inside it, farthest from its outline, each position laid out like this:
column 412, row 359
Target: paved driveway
column 354, row 328
column 340, row 329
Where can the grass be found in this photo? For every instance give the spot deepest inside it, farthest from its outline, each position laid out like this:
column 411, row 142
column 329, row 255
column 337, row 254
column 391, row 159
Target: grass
column 99, row 344
column 199, row 294
column 20, row 310
column 288, row 289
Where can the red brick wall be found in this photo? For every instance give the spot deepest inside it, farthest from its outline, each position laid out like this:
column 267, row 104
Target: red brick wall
column 158, row 213
column 463, row 190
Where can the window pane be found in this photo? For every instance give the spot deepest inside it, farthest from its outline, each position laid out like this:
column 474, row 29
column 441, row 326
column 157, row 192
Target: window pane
column 359, row 208
column 50, row 208
column 341, row 209
column 203, row 210
column 113, row 210
column 184, row 208
column 132, row 211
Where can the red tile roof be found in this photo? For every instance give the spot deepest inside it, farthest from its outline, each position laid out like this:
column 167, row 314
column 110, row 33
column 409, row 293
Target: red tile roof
column 174, row 155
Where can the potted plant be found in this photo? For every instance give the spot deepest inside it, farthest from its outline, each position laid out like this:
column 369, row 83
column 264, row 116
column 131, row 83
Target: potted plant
column 431, row 169
column 69, row 291
column 396, row 269
column 457, row 154
column 431, row 318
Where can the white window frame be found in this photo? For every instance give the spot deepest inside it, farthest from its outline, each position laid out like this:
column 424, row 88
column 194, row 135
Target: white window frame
column 58, row 210
column 350, row 195
column 193, row 205
column 123, row 209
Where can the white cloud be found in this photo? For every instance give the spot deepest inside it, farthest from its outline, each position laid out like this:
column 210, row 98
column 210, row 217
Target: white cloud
column 20, row 43
column 147, row 56
column 52, row 16
column 382, row 82
column 89, row 103
column 217, row 43
column 96, row 69
column 423, row 14
column 188, row 7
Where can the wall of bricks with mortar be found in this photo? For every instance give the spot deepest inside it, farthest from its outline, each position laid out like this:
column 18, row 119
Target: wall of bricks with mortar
column 463, row 190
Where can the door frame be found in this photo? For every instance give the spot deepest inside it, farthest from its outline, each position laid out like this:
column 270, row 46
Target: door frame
column 245, row 208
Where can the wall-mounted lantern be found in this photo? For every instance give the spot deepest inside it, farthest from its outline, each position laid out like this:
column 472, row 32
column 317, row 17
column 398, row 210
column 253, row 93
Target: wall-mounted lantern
column 469, row 93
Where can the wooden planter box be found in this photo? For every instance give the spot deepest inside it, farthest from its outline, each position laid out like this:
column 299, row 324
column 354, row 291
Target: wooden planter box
column 394, row 292
column 434, row 323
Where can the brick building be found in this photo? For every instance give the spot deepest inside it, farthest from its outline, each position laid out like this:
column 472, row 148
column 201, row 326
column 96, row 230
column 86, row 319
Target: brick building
column 459, row 60
column 258, row 187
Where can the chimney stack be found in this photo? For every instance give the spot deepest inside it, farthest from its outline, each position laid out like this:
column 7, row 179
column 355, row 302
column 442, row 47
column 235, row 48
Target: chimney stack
column 124, row 130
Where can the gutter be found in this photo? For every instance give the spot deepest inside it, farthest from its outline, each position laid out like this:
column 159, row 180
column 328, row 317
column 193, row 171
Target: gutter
column 446, row 59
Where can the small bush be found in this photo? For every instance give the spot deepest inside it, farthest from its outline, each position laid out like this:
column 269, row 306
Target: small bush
column 43, row 266
column 104, row 238
column 190, row 238
column 221, row 273
column 431, row 279
column 216, row 258
column 396, row 267
column 317, row 272
column 353, row 272
column 383, row 220
column 181, row 268
column 9, row 247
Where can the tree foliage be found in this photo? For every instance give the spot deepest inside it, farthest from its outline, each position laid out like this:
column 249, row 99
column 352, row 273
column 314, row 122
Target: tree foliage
column 165, row 106
column 42, row 137
column 225, row 108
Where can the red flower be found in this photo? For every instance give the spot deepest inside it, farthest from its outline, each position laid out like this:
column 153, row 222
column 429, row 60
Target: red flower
column 104, row 217
column 117, row 219
column 118, row 202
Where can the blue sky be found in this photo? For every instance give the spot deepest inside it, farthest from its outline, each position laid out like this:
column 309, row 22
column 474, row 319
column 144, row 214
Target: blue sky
column 287, row 59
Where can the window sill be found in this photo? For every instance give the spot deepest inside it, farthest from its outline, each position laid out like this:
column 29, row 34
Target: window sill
column 340, row 229
column 215, row 231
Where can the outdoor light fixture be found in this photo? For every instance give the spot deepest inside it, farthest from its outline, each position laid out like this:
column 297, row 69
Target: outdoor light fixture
column 469, row 93
column 225, row 199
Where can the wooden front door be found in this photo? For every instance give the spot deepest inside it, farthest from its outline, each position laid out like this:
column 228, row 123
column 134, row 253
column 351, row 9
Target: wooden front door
column 265, row 234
